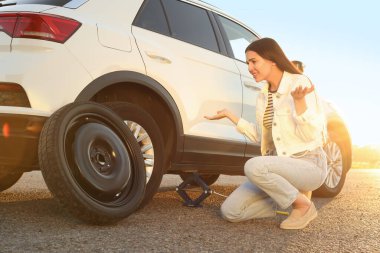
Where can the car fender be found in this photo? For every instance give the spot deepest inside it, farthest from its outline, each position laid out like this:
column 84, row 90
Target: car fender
column 133, row 77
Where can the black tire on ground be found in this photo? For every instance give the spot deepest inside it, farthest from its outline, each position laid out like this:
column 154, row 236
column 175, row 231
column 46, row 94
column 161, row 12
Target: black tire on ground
column 91, row 163
column 131, row 114
column 337, row 151
column 8, row 179
column 209, row 179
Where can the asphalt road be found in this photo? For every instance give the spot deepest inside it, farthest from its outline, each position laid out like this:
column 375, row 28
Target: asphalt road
column 31, row 221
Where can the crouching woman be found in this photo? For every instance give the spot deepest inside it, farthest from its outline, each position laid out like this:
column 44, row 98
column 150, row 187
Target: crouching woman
column 290, row 125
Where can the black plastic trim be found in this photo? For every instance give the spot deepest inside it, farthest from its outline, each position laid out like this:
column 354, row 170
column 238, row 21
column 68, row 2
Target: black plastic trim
column 252, row 150
column 133, row 77
column 19, row 147
column 224, row 36
column 203, row 150
column 17, row 98
column 218, row 34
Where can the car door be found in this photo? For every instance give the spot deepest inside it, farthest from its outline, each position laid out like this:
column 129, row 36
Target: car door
column 238, row 38
column 181, row 49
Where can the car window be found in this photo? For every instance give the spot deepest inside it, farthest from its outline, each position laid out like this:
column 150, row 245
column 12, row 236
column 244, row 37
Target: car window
column 238, row 37
column 151, row 17
column 190, row 24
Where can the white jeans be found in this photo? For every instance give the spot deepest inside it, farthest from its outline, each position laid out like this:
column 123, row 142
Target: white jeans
column 274, row 180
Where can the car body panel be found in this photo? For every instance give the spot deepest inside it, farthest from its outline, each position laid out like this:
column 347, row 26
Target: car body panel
column 27, row 7
column 108, row 49
column 5, row 44
column 36, row 65
column 198, row 87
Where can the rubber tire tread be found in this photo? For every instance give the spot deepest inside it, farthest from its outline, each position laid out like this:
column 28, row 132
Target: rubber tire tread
column 128, row 111
column 59, row 184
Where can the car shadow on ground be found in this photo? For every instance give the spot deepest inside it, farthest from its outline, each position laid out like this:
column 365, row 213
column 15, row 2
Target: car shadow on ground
column 38, row 208
column 32, row 212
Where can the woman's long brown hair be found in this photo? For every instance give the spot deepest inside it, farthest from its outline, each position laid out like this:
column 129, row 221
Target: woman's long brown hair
column 269, row 49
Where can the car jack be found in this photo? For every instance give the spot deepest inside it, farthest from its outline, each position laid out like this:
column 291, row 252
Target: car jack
column 194, row 179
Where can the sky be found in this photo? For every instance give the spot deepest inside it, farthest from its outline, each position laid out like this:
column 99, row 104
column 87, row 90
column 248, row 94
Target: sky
column 338, row 41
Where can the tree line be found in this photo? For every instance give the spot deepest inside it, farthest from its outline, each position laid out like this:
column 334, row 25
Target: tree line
column 365, row 157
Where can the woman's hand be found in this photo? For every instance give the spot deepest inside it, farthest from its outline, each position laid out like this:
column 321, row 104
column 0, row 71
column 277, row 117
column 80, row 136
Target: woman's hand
column 299, row 98
column 300, row 92
column 219, row 115
column 225, row 113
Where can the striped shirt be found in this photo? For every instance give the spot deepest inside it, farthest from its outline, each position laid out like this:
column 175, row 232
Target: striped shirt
column 309, row 124
column 268, row 114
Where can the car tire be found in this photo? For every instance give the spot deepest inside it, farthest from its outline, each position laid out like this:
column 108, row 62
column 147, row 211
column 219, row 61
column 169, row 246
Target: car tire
column 337, row 166
column 152, row 146
column 7, row 180
column 91, row 163
column 209, row 179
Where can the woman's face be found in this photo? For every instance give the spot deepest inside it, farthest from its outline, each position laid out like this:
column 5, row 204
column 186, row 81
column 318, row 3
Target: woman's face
column 259, row 67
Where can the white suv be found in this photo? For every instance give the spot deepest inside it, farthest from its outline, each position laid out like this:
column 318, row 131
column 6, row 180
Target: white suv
column 107, row 96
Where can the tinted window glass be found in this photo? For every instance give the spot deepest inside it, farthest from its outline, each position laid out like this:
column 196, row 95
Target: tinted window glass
column 238, row 36
column 152, row 17
column 190, row 24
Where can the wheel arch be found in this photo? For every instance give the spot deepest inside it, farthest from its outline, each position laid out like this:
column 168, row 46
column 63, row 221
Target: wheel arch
column 123, row 85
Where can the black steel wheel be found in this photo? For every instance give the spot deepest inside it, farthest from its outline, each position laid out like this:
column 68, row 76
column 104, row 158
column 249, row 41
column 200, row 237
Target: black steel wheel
column 148, row 136
column 92, row 163
column 8, row 179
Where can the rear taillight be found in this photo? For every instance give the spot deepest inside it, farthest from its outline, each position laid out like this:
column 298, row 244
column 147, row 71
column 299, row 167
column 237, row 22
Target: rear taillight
column 38, row 26
column 8, row 23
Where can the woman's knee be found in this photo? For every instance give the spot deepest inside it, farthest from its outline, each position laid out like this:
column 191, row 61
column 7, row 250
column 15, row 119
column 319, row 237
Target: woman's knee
column 230, row 212
column 255, row 167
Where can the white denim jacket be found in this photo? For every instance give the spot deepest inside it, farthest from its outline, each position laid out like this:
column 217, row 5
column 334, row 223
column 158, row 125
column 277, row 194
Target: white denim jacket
column 291, row 133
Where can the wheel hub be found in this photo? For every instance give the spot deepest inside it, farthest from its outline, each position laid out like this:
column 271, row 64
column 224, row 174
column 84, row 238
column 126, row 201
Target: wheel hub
column 102, row 159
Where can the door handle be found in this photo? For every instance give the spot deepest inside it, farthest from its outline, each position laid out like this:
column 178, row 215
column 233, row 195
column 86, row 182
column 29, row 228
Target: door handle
column 158, row 58
column 253, row 85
